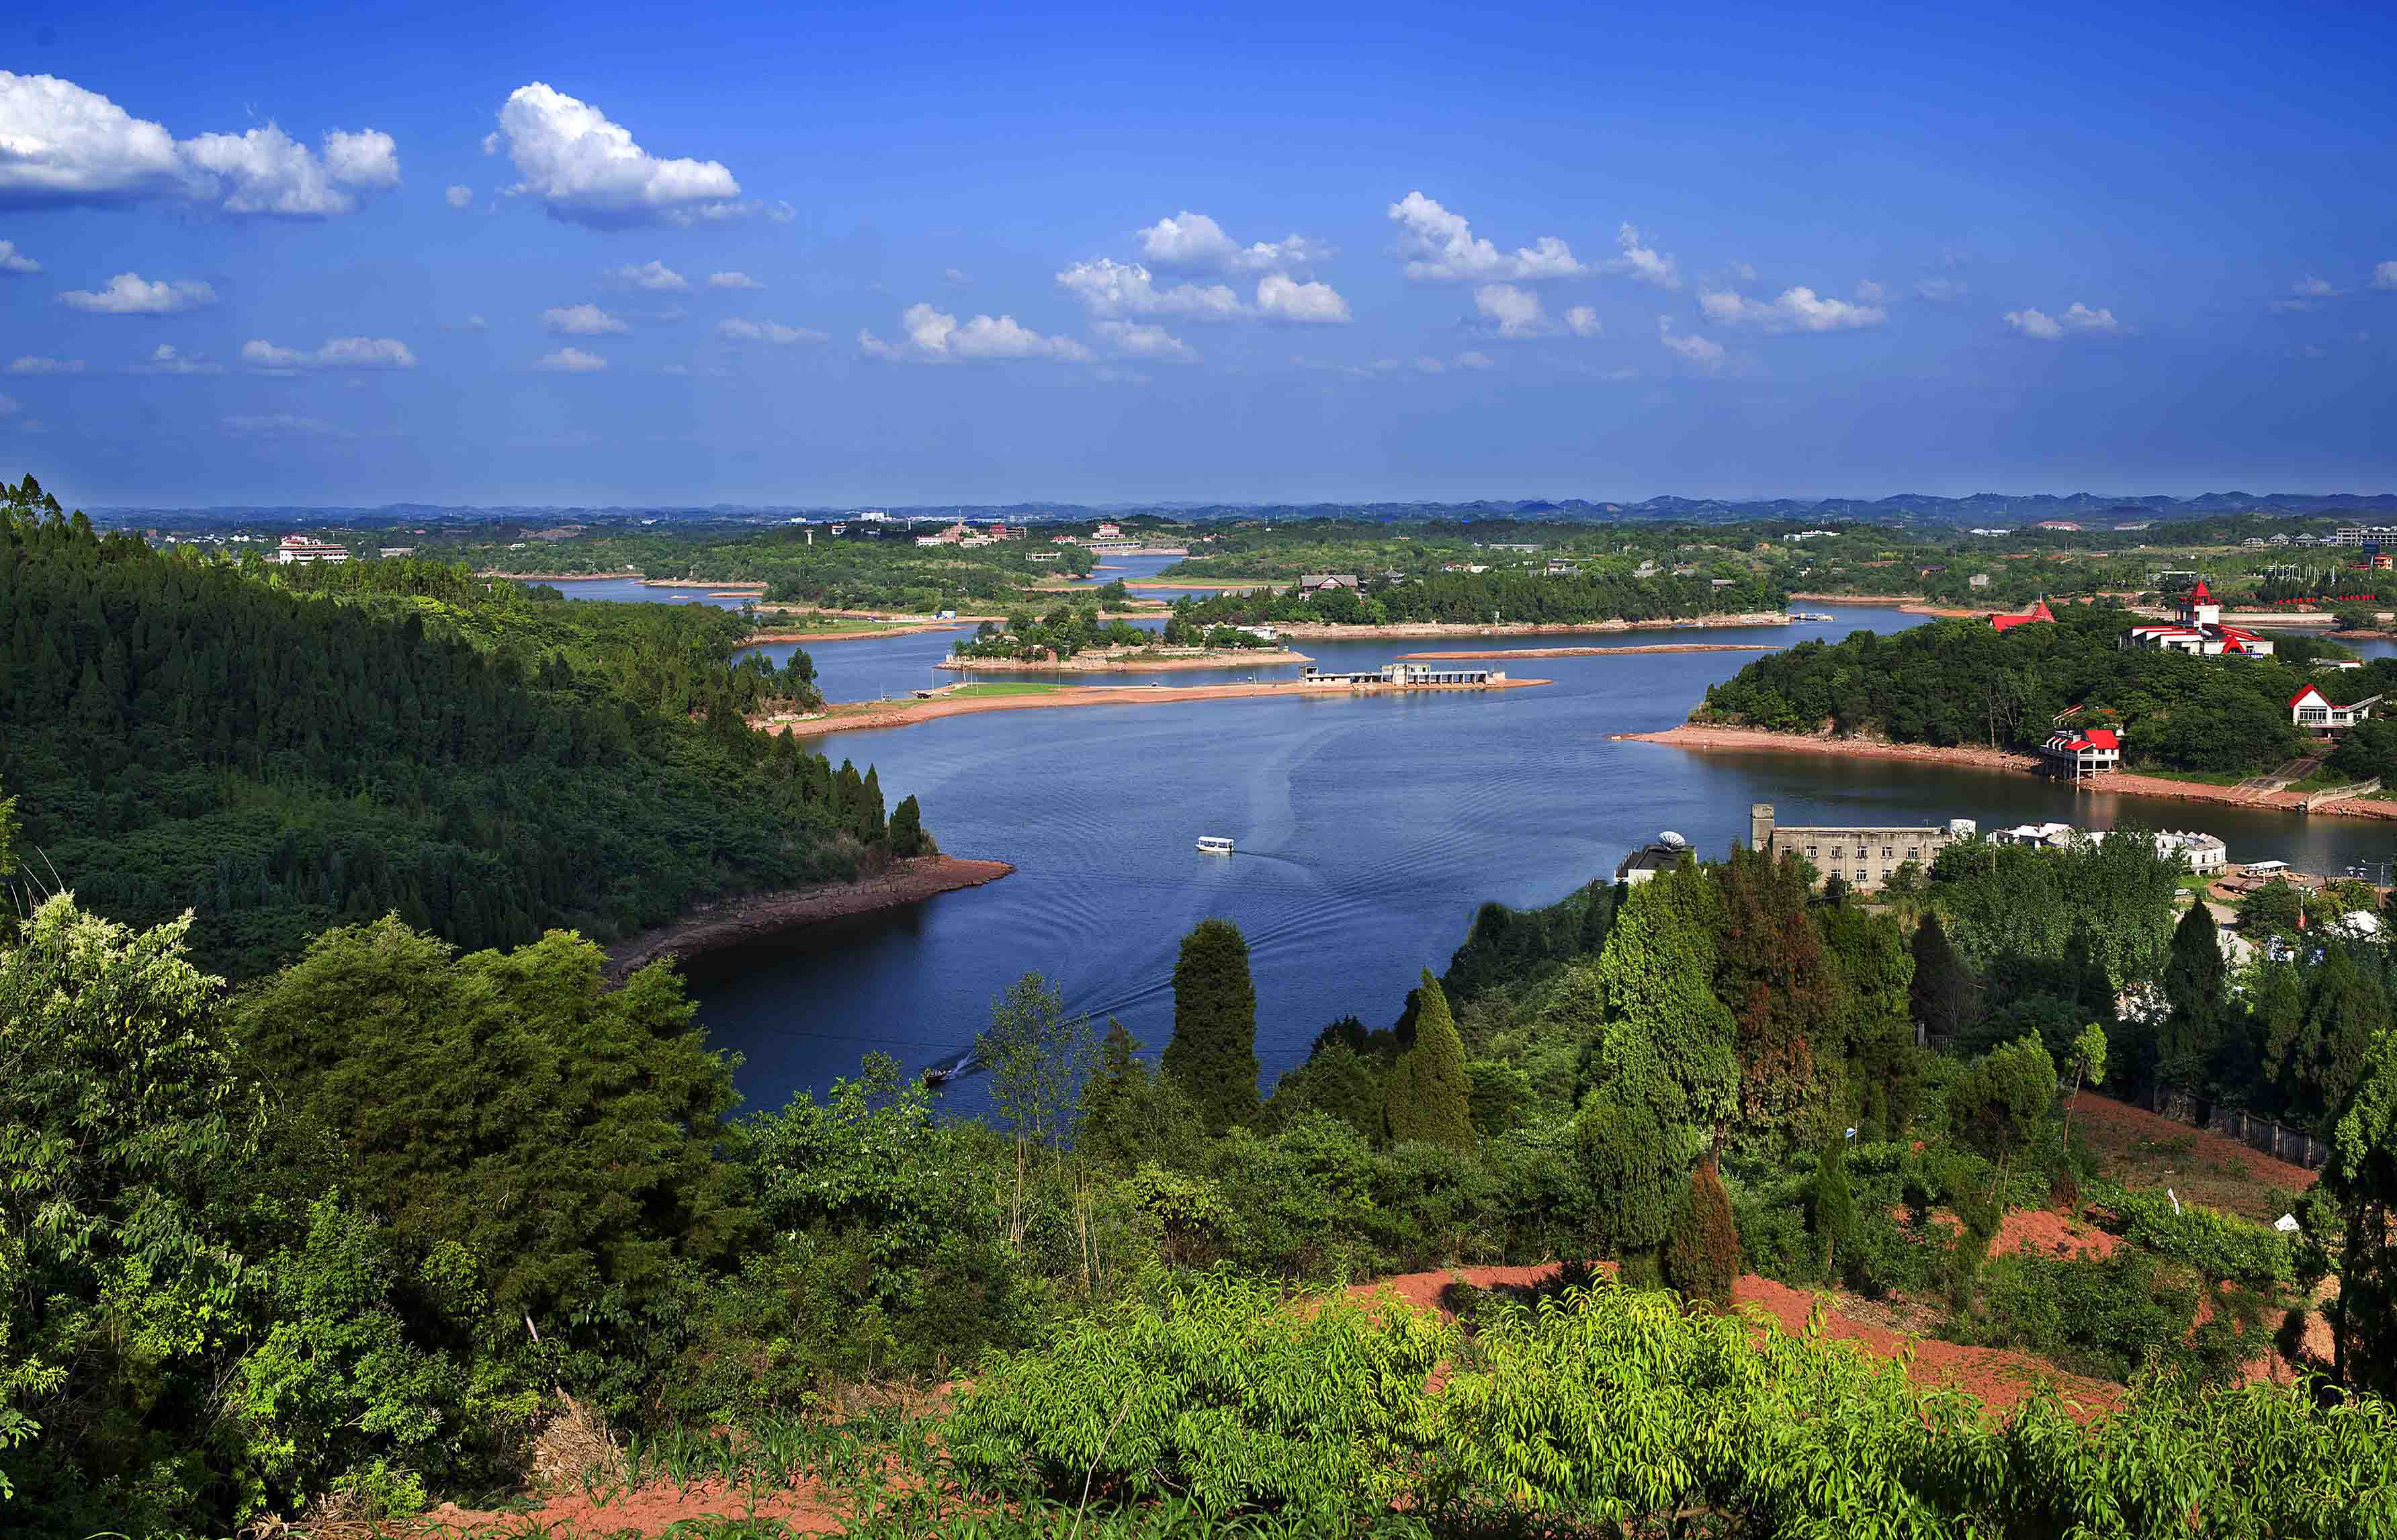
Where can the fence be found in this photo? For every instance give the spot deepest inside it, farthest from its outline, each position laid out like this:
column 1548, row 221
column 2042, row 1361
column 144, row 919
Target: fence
column 2262, row 1134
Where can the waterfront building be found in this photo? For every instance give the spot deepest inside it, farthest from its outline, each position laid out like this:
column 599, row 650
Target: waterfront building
column 299, row 550
column 2311, row 708
column 2205, row 852
column 1864, row 855
column 1660, row 854
column 2200, row 631
column 2053, row 837
column 2079, row 753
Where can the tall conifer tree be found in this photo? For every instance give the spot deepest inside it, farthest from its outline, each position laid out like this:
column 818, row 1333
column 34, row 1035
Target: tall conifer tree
column 1213, row 1053
column 1428, row 1094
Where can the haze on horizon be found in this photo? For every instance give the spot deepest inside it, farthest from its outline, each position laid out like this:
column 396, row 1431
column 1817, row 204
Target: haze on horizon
column 514, row 254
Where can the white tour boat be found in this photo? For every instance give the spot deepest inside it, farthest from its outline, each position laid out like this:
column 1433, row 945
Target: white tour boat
column 1214, row 844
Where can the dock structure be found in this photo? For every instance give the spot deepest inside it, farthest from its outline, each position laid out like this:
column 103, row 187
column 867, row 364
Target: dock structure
column 1403, row 676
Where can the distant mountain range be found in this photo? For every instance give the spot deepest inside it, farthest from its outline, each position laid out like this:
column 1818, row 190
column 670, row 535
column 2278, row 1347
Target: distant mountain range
column 1979, row 508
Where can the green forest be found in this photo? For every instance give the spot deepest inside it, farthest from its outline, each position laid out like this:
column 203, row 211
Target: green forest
column 1951, row 682
column 1480, row 598
column 281, row 749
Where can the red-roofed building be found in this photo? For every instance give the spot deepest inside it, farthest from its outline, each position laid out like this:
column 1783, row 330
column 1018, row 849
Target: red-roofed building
column 2036, row 612
column 2311, row 709
column 2200, row 631
column 2091, row 751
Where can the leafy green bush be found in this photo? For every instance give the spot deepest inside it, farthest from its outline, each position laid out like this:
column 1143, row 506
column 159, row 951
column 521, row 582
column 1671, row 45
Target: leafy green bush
column 2221, row 1247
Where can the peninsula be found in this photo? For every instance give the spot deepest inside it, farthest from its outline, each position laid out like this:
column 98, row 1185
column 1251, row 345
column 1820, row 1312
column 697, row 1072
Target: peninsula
column 756, row 916
column 1028, row 695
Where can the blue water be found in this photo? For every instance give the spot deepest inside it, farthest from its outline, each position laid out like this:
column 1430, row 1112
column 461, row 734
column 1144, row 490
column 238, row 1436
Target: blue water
column 635, row 589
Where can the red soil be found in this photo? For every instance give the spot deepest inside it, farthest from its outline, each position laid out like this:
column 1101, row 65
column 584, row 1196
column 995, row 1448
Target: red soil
column 2138, row 1122
column 648, row 1510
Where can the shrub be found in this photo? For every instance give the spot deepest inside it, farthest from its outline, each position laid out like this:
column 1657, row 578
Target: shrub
column 1702, row 1259
column 2219, row 1247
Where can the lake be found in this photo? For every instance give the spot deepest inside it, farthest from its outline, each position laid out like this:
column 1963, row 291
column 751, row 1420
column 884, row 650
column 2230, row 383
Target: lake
column 1368, row 829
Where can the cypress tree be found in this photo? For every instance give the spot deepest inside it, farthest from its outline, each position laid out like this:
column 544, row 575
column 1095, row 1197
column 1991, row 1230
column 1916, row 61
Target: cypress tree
column 2194, row 982
column 1831, row 1207
column 1213, row 1053
column 1942, row 993
column 1702, row 1260
column 1428, row 1094
column 908, row 835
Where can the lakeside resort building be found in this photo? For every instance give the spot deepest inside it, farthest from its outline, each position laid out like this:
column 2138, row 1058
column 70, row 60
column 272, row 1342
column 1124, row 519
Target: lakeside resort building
column 2084, row 754
column 302, row 550
column 1864, row 855
column 2200, row 631
column 2310, row 708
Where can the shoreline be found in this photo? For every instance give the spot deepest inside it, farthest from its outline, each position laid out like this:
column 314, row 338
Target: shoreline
column 858, row 715
column 1130, row 664
column 1698, row 738
column 1595, row 651
column 755, row 917
column 852, row 634
column 1437, row 630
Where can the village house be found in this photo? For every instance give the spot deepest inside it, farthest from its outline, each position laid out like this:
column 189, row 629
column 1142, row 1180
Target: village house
column 2200, row 631
column 2310, row 708
column 1312, row 583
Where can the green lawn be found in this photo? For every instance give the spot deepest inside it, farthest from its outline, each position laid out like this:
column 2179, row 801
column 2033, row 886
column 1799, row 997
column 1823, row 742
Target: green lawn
column 1005, row 687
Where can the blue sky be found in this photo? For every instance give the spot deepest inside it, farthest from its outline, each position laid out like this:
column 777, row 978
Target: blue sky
column 258, row 253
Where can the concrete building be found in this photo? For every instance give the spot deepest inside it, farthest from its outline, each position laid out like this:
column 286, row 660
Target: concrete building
column 2205, row 852
column 2082, row 754
column 2053, row 837
column 299, row 550
column 1863, row 853
column 1660, row 854
column 2201, row 632
column 2367, row 534
column 2310, row 708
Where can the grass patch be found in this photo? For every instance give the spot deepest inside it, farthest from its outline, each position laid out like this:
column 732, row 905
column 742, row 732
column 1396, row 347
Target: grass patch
column 1004, row 687
column 2202, row 778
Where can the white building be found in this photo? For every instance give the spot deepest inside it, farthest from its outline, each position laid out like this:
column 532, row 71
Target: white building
column 2200, row 631
column 2093, row 751
column 2205, row 852
column 2054, row 836
column 2311, row 708
column 297, row 550
column 2367, row 534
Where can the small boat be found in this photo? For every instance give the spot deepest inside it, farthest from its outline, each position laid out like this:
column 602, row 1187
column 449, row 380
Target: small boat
column 1214, row 844
column 939, row 1074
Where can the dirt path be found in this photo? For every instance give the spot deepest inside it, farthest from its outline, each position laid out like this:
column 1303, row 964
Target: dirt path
column 754, row 917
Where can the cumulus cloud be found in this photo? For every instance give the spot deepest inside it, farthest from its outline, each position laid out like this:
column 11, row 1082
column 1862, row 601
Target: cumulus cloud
column 1515, row 312
column 2312, row 288
column 2384, row 276
column 652, row 274
column 1440, row 245
column 1940, row 290
column 933, row 337
column 1582, row 321
column 1115, row 289
column 584, row 320
column 1798, row 309
column 738, row 329
column 2078, row 319
column 1189, row 242
column 1702, row 351
column 29, row 363
column 1281, row 298
column 1644, row 263
column 458, row 197
column 587, row 170
column 338, row 352
column 571, row 361
column 164, row 359
column 1135, row 340
column 62, row 144
column 15, row 262
column 283, row 425
column 733, row 280
column 128, row 294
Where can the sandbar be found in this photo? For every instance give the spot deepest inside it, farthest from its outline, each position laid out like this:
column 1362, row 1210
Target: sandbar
column 850, row 717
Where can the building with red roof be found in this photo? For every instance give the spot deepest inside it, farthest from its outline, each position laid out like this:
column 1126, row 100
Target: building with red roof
column 2200, row 631
column 2311, row 708
column 2093, row 751
column 2036, row 612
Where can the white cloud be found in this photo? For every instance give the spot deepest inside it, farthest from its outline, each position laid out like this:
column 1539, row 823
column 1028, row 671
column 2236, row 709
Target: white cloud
column 584, row 320
column 1107, row 288
column 1133, row 340
column 1582, row 321
column 652, row 274
column 2312, row 288
column 62, row 144
column 1281, row 298
column 32, row 365
column 1743, row 271
column 473, row 323
column 1442, row 246
column 1870, row 293
column 571, row 361
column 670, row 313
column 15, row 262
column 283, row 425
column 935, row 338
column 2078, row 318
column 587, row 170
column 1702, row 351
column 1644, row 263
column 957, row 275
column 338, row 352
column 1472, row 360
column 733, row 280
column 128, row 294
column 1427, row 365
column 1194, row 243
column 1798, row 309
column 2384, row 276
column 458, row 197
column 1515, row 312
column 164, row 359
column 738, row 329
column 1940, row 290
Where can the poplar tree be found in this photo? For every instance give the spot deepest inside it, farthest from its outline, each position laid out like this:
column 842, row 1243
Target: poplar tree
column 1213, row 1053
column 1428, row 1093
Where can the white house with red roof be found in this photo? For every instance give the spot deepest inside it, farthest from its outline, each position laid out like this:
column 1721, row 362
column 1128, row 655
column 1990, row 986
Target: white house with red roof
column 2200, row 631
column 2093, row 751
column 2311, row 708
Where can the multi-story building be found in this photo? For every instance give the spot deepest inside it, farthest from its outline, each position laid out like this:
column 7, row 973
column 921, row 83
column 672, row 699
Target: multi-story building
column 2367, row 534
column 2201, row 632
column 297, row 549
column 1864, row 854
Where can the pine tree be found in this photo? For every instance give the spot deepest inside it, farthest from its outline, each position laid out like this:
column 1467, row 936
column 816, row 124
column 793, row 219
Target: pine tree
column 1703, row 1258
column 1428, row 1094
column 907, row 837
column 1942, row 993
column 1213, row 1054
column 2194, row 982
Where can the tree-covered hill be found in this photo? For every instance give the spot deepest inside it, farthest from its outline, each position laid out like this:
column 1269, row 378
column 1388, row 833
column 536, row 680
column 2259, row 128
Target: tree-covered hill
column 1954, row 682
column 281, row 755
